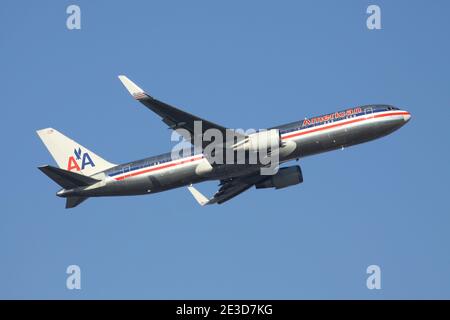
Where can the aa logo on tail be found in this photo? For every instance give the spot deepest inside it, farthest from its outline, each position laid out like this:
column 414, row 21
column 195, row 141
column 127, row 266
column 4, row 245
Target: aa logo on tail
column 79, row 155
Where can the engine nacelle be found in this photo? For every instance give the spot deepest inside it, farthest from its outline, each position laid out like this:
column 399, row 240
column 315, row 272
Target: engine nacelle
column 285, row 177
column 261, row 140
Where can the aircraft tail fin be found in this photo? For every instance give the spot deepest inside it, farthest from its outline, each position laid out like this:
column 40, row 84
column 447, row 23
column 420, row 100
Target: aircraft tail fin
column 70, row 155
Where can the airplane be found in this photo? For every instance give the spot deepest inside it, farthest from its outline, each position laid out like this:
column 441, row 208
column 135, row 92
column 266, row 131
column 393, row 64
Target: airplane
column 83, row 174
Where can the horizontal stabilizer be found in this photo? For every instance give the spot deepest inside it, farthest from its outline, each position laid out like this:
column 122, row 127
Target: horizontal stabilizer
column 67, row 179
column 72, row 202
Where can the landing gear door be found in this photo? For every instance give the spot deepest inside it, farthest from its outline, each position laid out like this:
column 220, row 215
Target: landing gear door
column 369, row 112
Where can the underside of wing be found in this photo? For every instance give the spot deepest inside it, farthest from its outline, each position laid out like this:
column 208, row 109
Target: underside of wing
column 228, row 189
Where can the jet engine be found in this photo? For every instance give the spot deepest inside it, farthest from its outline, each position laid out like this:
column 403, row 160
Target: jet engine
column 285, row 177
column 260, row 140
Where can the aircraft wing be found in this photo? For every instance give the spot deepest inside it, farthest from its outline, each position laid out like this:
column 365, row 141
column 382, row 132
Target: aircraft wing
column 172, row 116
column 228, row 189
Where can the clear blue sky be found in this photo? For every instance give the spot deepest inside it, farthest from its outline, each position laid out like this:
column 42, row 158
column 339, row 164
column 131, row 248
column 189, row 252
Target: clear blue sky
column 242, row 64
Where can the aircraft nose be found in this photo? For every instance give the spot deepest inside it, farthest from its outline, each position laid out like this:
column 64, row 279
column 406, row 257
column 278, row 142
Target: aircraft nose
column 406, row 116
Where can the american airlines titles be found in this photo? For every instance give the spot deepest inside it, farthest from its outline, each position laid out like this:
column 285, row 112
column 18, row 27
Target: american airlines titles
column 331, row 116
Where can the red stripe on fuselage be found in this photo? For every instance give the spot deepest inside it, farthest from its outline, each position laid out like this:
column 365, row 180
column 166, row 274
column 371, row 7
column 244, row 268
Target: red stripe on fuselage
column 158, row 168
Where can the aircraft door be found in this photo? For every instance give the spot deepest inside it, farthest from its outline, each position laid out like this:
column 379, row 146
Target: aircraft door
column 369, row 112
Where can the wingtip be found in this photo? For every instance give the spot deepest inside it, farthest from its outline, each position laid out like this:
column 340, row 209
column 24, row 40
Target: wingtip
column 132, row 87
column 43, row 168
column 199, row 197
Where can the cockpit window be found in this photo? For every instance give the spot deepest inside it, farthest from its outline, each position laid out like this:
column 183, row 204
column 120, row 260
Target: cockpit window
column 392, row 108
